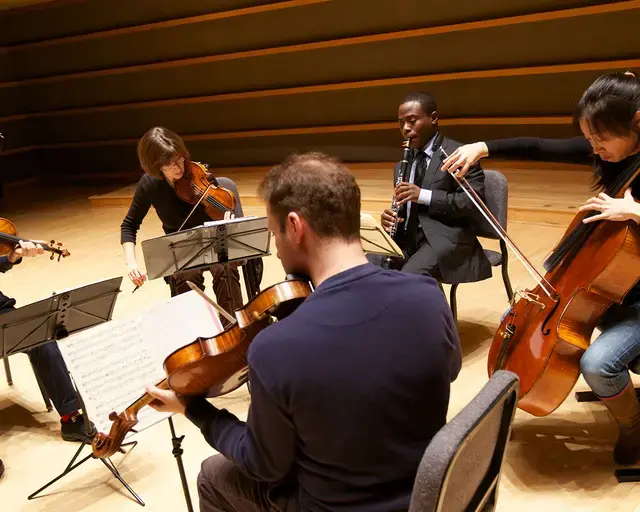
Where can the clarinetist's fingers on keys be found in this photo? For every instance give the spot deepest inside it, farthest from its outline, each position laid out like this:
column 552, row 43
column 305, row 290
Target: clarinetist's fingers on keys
column 387, row 218
column 406, row 192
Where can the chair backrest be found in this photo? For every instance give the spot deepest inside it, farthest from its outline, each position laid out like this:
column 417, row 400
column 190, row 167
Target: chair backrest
column 229, row 184
column 496, row 195
column 460, row 469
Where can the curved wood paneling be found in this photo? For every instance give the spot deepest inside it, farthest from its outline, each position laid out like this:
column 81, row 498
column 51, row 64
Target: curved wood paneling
column 457, row 51
column 489, row 94
column 271, row 27
column 73, row 17
column 247, row 82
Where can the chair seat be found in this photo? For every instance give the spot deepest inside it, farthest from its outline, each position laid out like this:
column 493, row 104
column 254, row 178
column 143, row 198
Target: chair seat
column 495, row 258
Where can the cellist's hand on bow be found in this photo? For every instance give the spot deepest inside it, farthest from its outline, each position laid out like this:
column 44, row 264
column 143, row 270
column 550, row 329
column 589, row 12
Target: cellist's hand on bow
column 167, row 400
column 464, row 157
column 611, row 208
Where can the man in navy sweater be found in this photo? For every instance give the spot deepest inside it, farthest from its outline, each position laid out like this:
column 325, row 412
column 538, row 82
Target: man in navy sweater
column 346, row 392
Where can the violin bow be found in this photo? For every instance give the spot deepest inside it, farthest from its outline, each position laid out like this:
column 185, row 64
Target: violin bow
column 212, row 302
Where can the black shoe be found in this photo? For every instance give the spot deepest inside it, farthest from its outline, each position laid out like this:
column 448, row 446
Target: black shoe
column 1, row 467
column 74, row 429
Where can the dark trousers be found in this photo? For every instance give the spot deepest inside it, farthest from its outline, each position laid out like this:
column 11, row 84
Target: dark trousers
column 226, row 285
column 51, row 371
column 420, row 259
column 222, row 487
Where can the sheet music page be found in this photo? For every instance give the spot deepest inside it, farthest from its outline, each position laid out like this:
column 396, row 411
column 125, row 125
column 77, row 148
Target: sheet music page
column 178, row 322
column 211, row 223
column 113, row 362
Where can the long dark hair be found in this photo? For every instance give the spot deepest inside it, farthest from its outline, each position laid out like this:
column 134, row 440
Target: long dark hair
column 609, row 106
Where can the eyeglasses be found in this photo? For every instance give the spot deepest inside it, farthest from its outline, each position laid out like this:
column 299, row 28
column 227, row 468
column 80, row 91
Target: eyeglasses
column 175, row 163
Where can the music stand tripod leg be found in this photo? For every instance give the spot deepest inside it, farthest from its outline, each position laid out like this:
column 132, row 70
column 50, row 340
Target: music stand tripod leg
column 73, row 465
column 87, row 442
column 177, row 453
column 7, row 367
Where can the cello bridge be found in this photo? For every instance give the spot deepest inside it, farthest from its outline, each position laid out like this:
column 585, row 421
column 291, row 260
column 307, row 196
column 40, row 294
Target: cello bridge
column 528, row 296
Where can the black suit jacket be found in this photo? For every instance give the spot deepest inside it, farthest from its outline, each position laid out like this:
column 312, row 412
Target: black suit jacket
column 449, row 222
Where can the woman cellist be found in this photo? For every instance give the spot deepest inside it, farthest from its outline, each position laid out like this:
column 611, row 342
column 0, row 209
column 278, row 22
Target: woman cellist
column 164, row 159
column 609, row 117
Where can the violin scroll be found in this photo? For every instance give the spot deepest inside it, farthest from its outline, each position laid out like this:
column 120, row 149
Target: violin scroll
column 104, row 446
column 56, row 248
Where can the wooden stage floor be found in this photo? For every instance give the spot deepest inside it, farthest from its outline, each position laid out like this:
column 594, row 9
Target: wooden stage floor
column 558, row 463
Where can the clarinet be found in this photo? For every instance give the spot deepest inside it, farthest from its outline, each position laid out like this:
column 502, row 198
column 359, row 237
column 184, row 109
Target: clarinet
column 395, row 207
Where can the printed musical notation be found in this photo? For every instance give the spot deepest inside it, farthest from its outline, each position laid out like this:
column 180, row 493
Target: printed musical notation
column 112, row 363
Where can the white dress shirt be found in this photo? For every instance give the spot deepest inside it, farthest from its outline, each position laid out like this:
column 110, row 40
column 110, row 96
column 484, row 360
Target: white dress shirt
column 425, row 194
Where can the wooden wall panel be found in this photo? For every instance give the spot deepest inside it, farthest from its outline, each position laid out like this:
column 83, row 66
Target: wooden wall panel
column 70, row 17
column 361, row 146
column 464, row 98
column 501, row 47
column 77, row 104
column 250, row 29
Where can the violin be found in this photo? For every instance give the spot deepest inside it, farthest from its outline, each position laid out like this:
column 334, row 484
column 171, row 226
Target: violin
column 214, row 366
column 9, row 239
column 198, row 185
column 547, row 330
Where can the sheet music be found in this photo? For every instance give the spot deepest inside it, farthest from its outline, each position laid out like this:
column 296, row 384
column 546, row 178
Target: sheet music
column 113, row 362
column 228, row 221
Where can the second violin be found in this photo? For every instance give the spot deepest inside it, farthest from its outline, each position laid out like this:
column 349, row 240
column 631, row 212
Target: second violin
column 211, row 366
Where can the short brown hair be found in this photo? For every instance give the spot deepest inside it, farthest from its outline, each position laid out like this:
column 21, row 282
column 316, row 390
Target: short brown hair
column 320, row 189
column 159, row 147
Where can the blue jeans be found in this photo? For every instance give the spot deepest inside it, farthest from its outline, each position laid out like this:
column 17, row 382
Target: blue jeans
column 606, row 363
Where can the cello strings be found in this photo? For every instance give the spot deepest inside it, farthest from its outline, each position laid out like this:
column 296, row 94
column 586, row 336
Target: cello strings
column 568, row 248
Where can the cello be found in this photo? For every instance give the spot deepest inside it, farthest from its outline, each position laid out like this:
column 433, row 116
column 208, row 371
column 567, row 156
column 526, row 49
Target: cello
column 214, row 366
column 547, row 329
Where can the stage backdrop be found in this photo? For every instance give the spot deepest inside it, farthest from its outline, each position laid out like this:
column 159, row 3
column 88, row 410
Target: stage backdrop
column 248, row 82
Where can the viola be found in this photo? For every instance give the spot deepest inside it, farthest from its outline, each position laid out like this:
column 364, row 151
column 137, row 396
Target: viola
column 214, row 366
column 198, row 185
column 9, row 239
column 547, row 330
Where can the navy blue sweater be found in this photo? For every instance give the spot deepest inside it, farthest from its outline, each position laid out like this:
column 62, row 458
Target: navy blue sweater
column 346, row 392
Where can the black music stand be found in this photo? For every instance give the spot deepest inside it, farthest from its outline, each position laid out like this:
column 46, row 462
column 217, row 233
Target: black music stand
column 376, row 240
column 56, row 318
column 225, row 242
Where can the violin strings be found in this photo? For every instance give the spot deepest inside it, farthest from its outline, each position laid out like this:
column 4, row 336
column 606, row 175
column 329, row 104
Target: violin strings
column 212, row 200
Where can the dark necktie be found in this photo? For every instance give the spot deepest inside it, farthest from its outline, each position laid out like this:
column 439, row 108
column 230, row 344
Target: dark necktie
column 412, row 221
